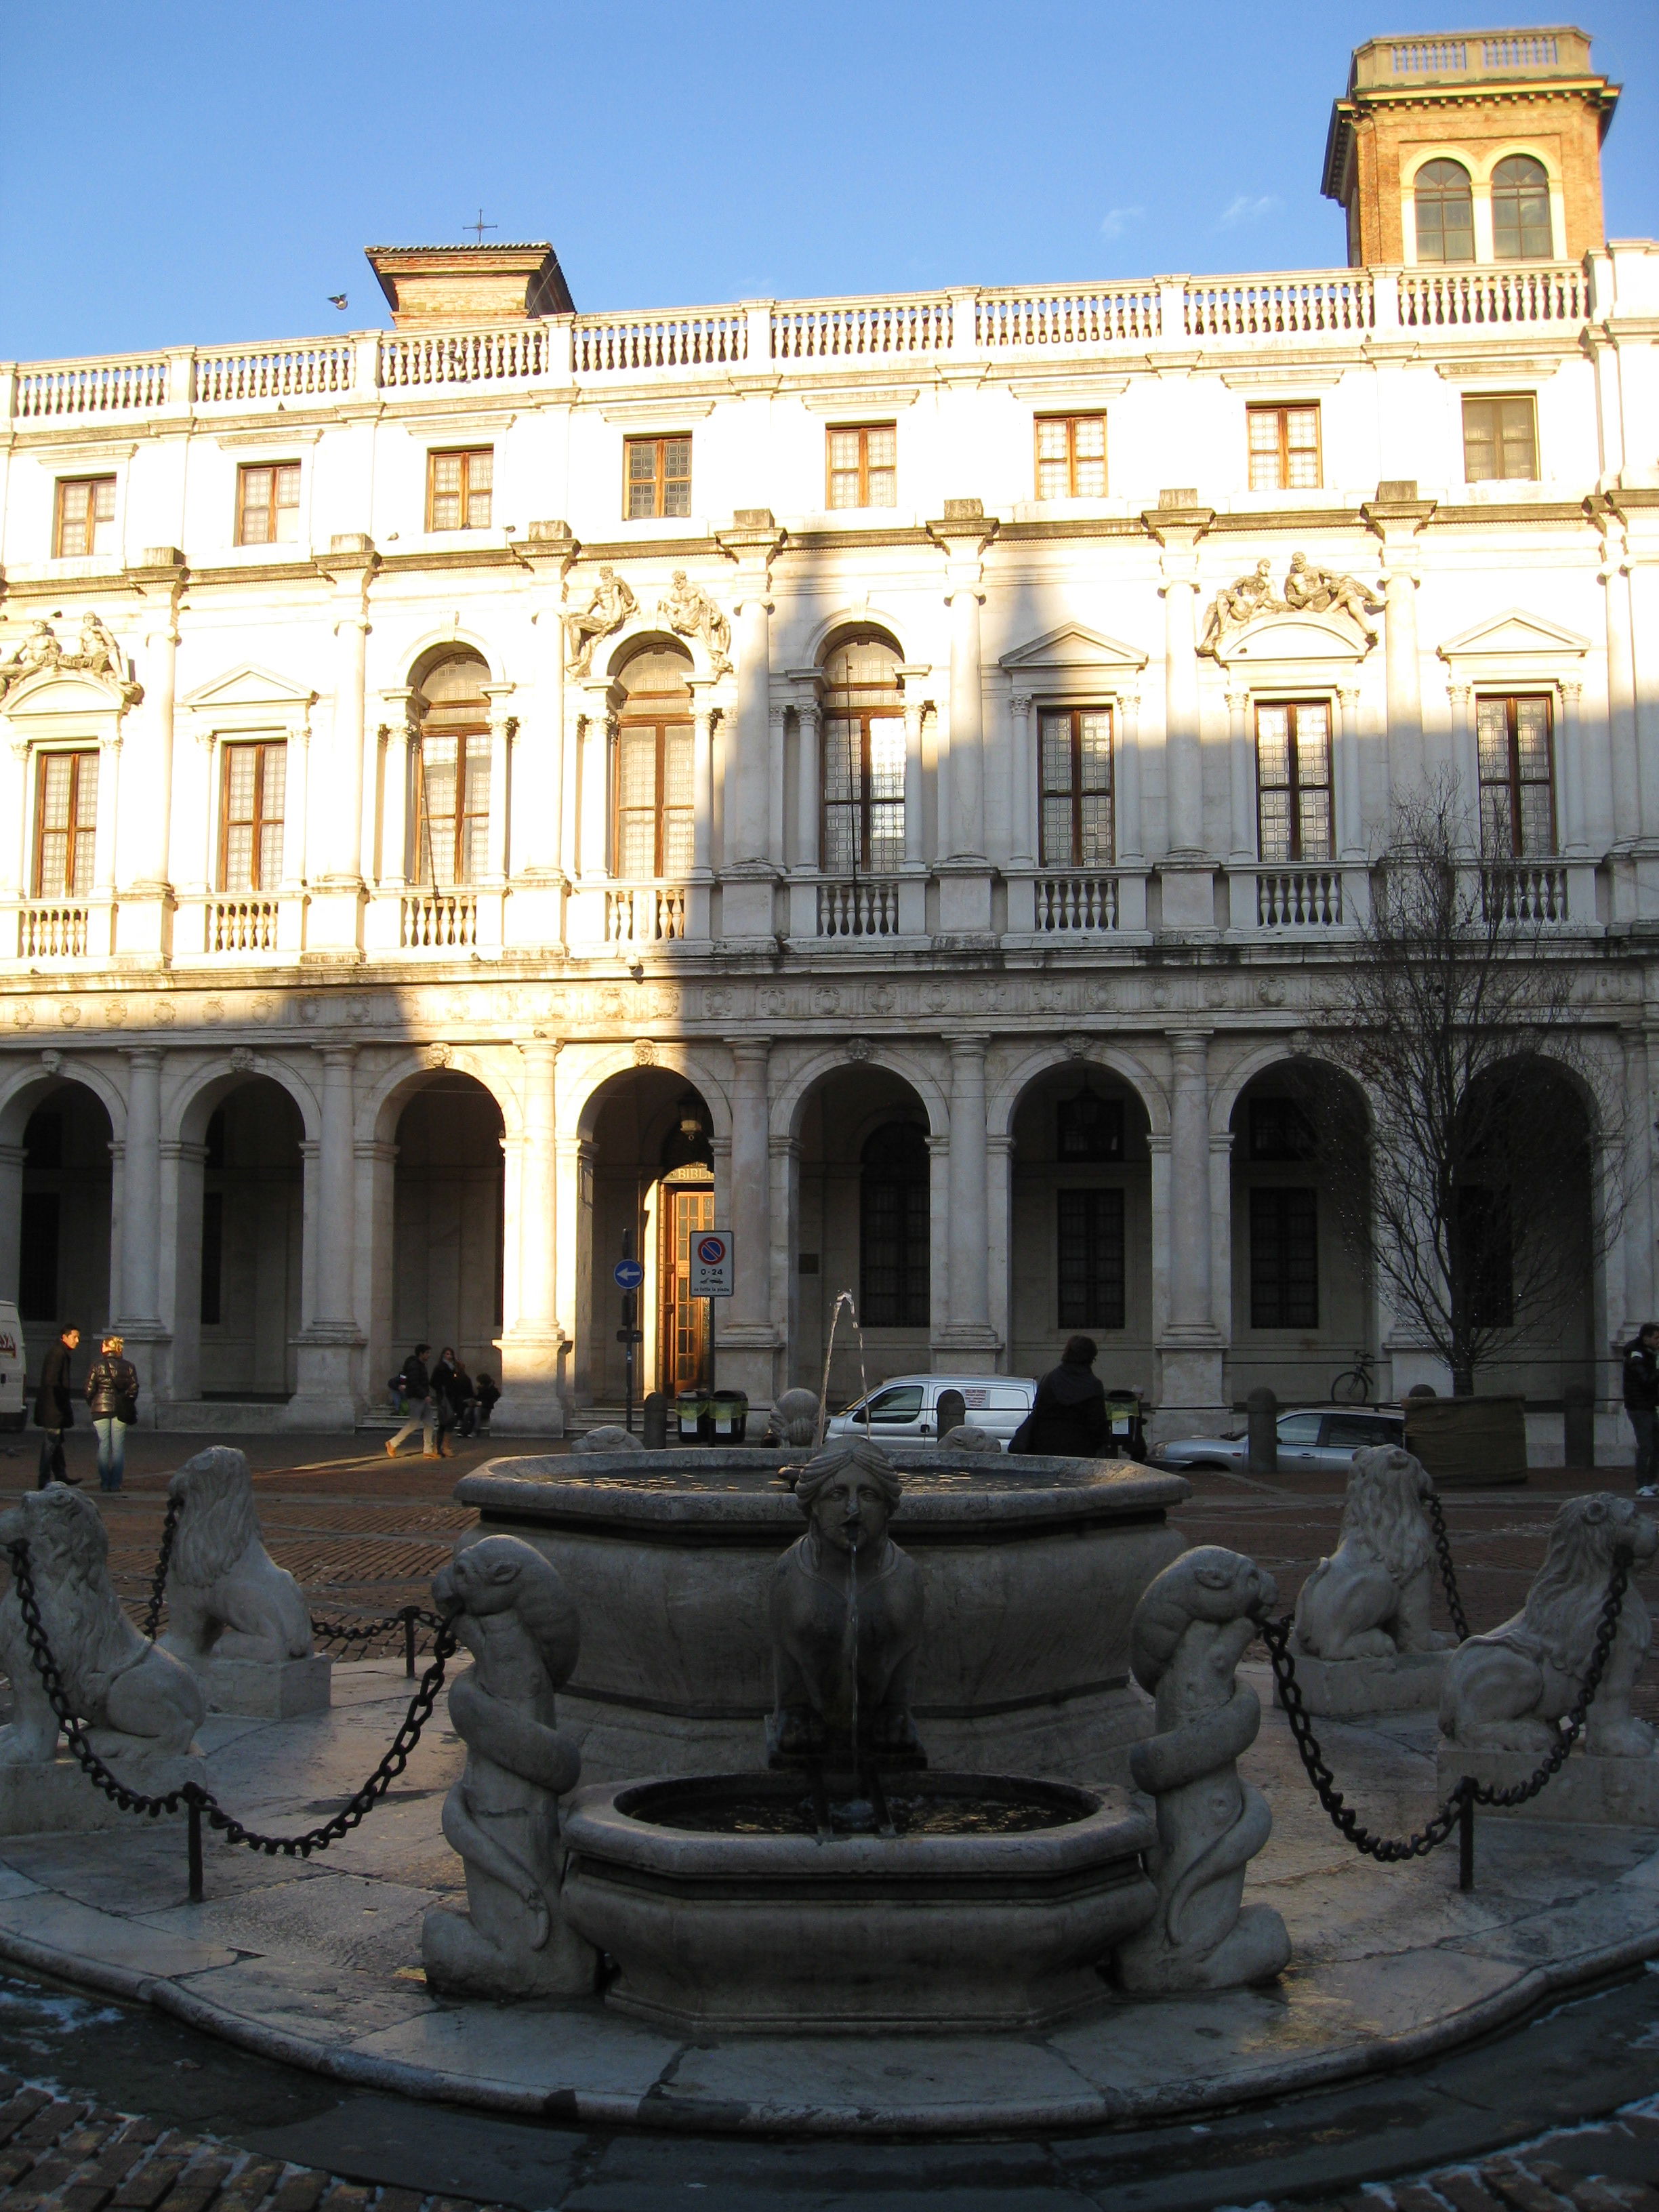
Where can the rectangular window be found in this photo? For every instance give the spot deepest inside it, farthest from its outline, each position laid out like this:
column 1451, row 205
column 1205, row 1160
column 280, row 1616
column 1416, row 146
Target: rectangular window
column 86, row 516
column 213, row 1255
column 657, row 477
column 66, row 824
column 654, row 790
column 457, row 489
column 452, row 839
column 1517, row 792
column 1279, row 1130
column 268, row 503
column 1284, row 448
column 1071, row 457
column 1076, row 744
column 252, row 792
column 1088, row 1128
column 37, row 1271
column 1293, row 782
column 863, row 794
column 1283, row 1259
column 863, row 465
column 1500, row 439
column 1089, row 1257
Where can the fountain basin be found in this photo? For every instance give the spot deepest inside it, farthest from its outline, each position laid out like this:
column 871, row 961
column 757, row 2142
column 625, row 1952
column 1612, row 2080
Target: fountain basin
column 723, row 1930
column 1031, row 1568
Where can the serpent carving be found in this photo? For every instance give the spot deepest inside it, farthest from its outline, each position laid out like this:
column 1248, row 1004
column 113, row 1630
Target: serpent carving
column 1185, row 1642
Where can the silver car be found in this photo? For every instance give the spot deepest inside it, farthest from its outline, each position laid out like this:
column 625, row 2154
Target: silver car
column 904, row 1409
column 1309, row 1437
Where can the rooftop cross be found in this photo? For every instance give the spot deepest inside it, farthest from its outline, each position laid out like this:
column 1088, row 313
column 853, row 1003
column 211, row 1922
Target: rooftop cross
column 479, row 224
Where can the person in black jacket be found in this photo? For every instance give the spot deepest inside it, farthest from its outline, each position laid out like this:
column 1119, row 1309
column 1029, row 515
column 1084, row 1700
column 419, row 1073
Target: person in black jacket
column 1641, row 1378
column 111, row 1390
column 1069, row 1415
column 451, row 1386
column 416, row 1385
column 54, row 1408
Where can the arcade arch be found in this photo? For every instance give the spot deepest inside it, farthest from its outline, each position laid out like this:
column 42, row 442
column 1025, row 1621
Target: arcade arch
column 448, row 1203
column 239, row 1209
column 56, row 1186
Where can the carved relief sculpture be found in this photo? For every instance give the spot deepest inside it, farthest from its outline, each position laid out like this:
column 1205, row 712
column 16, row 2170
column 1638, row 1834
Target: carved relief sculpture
column 98, row 653
column 513, row 1613
column 607, row 610
column 689, row 612
column 1322, row 591
column 1186, row 1639
column 38, row 650
column 139, row 1702
column 1238, row 603
column 1371, row 1599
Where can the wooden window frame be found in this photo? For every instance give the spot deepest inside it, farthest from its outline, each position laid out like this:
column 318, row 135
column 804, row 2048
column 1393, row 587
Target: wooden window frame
column 861, row 431
column 1498, row 399
column 261, row 747
column 1283, row 1285
column 275, row 470
column 73, row 834
column 1296, row 858
column 1514, row 783
column 1076, row 794
column 1440, row 261
column 1039, row 422
column 660, row 480
column 1283, row 410
column 660, row 722
column 1510, row 260
column 863, row 806
column 466, row 455
column 463, row 878
column 89, row 487
column 1107, row 1308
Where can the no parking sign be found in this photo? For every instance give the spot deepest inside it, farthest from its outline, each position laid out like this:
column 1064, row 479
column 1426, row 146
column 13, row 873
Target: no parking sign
column 711, row 1264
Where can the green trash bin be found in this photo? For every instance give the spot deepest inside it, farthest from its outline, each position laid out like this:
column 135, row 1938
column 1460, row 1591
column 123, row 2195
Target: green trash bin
column 729, row 1415
column 690, row 1413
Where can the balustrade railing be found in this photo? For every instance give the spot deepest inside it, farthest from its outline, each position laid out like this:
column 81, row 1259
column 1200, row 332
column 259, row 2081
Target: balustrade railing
column 1269, row 306
column 91, row 388
column 1076, row 903
column 51, row 932
column 241, row 925
column 234, row 372
column 1300, row 898
column 645, row 914
column 865, row 908
column 1539, row 292
column 437, row 921
column 695, row 339
column 1525, row 894
column 513, row 353
column 841, row 330
column 1091, row 316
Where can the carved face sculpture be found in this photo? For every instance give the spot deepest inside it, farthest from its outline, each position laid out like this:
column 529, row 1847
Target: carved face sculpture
column 851, row 1511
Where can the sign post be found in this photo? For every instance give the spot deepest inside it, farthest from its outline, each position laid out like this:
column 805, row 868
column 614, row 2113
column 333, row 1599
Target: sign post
column 629, row 1273
column 713, row 1272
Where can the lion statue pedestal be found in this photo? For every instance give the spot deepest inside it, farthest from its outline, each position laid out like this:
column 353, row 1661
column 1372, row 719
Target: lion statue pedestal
column 1363, row 1644
column 140, row 1706
column 1505, row 1691
column 237, row 1620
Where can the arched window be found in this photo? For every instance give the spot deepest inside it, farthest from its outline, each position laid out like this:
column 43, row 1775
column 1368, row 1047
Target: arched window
column 654, row 792
column 451, row 771
column 863, row 759
column 1521, row 211
column 893, row 1228
column 1445, row 213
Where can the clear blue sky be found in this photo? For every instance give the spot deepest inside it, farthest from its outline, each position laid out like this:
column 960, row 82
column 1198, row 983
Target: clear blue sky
column 177, row 170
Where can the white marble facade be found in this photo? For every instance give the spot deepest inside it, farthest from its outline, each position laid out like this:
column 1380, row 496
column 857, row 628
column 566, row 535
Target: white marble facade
column 964, row 986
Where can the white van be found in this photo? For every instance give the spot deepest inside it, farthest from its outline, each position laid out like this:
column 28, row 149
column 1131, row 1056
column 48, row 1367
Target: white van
column 14, row 1407
column 905, row 1408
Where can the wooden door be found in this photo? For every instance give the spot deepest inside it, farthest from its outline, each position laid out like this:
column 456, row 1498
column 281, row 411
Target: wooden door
column 687, row 1210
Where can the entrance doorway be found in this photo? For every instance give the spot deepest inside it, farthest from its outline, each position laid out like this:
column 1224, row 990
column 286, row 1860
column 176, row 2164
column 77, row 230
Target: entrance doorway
column 687, row 1209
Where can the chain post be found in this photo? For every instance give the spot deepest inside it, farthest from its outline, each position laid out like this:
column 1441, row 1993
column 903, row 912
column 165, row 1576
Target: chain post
column 194, row 1847
column 1466, row 1833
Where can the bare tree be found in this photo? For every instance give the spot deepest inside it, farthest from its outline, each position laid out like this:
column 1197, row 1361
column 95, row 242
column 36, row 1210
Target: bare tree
column 1479, row 1206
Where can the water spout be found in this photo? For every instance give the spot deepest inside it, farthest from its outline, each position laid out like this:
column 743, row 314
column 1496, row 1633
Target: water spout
column 847, row 1299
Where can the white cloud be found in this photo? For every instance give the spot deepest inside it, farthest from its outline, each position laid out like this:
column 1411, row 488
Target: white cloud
column 1243, row 208
column 1116, row 221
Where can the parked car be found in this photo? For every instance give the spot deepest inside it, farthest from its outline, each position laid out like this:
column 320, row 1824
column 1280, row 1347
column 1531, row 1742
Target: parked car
column 1309, row 1436
column 13, row 1410
column 904, row 1409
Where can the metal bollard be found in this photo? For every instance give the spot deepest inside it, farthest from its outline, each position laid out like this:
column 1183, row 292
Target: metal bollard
column 654, row 1421
column 1466, row 1834
column 410, row 1611
column 193, row 1847
column 1261, row 1416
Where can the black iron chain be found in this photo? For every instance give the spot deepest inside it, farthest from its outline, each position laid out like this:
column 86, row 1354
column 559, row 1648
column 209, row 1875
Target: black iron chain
column 159, row 1580
column 351, row 1632
column 193, row 1794
column 1389, row 1850
column 1448, row 1572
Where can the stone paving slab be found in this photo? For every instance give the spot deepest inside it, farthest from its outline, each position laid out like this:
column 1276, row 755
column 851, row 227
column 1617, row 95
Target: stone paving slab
column 317, row 1962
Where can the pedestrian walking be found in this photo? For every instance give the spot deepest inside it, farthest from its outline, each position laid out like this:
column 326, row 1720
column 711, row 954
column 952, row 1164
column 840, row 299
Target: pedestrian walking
column 1641, row 1377
column 112, row 1388
column 1068, row 1415
column 486, row 1392
column 414, row 1384
column 54, row 1408
column 445, row 1386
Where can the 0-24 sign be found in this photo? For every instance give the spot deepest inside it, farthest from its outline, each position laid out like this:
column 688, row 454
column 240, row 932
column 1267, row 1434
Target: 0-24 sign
column 712, row 1267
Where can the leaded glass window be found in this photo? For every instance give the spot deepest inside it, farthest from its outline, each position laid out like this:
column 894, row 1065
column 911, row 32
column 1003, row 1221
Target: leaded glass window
column 1517, row 792
column 1076, row 744
column 1293, row 780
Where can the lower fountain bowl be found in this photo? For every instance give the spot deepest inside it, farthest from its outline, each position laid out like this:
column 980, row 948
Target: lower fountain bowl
column 994, row 1907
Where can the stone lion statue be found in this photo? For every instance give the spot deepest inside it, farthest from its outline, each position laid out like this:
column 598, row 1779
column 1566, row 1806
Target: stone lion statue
column 512, row 1612
column 611, row 1438
column 227, row 1598
column 1503, row 1691
column 136, row 1702
column 846, row 1616
column 966, row 1438
column 1186, row 1639
column 795, row 1418
column 1371, row 1599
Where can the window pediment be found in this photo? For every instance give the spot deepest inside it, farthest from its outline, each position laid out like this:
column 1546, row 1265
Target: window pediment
column 250, row 687
column 57, row 693
column 1517, row 640
column 1073, row 656
column 1292, row 638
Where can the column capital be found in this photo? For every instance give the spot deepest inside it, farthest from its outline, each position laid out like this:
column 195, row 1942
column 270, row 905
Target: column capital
column 539, row 1046
column 750, row 1049
column 965, row 1043
column 337, row 1055
column 142, row 1055
column 1020, row 703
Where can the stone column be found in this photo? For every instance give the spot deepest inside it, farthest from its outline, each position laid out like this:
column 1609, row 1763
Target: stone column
column 1183, row 760
column 326, row 1398
column 966, row 840
column 777, row 733
column 400, row 737
column 809, row 785
column 141, row 1199
column 12, row 1159
column 1022, row 782
column 1630, row 796
column 1570, row 752
column 1131, row 835
column 964, row 871
column 595, row 835
column 1350, row 790
column 1397, row 516
column 335, row 922
column 968, row 1335
column 532, row 1343
column 915, row 708
column 747, row 1337
column 1636, row 1172
column 1460, row 697
column 1241, row 772
column 703, row 782
column 502, row 725
column 748, row 865
column 144, row 870
column 107, row 836
column 1191, row 1345
column 543, row 792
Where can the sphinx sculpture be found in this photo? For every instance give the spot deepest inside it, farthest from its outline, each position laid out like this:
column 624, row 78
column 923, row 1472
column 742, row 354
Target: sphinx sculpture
column 1187, row 1635
column 512, row 1612
column 846, row 1619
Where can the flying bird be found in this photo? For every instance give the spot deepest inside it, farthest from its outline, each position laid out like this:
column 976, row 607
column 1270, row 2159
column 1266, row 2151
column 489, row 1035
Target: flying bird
column 337, row 300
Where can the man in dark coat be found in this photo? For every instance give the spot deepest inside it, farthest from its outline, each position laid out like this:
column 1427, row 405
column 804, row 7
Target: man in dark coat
column 1641, row 1381
column 1069, row 1416
column 54, row 1409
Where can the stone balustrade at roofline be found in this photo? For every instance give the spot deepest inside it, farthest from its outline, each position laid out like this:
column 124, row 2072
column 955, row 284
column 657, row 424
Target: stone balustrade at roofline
column 1004, row 323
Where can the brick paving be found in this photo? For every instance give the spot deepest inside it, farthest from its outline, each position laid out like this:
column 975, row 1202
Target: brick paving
column 1560, row 2174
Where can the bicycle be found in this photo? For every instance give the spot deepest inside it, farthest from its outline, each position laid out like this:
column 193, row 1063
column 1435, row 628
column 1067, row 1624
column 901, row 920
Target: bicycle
column 1352, row 1386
